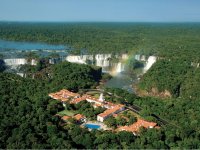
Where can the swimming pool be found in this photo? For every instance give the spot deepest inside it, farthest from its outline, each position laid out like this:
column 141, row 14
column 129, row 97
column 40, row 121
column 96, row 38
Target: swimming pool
column 92, row 126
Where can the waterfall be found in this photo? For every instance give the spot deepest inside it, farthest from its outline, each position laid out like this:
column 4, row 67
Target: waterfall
column 33, row 62
column 18, row 61
column 15, row 61
column 101, row 60
column 140, row 57
column 151, row 60
column 20, row 74
column 137, row 57
column 119, row 67
column 124, row 56
column 76, row 59
column 81, row 59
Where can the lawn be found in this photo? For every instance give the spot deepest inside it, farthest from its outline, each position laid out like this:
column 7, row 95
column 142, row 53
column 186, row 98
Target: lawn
column 66, row 112
column 128, row 113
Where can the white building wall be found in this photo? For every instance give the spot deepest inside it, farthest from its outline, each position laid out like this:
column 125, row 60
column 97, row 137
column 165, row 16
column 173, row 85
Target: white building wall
column 99, row 118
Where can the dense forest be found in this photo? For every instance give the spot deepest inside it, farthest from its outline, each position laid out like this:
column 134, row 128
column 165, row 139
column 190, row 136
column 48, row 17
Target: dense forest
column 164, row 40
column 178, row 76
column 63, row 75
column 28, row 121
column 27, row 115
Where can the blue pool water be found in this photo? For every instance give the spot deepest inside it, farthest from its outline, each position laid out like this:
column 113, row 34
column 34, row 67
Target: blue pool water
column 92, row 126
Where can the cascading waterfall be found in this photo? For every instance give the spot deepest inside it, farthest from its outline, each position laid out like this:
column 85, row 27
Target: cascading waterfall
column 101, row 60
column 151, row 60
column 13, row 64
column 120, row 67
column 18, row 61
column 15, row 61
column 140, row 57
column 76, row 59
column 33, row 62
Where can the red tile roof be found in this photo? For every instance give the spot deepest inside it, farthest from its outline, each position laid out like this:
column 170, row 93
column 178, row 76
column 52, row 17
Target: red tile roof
column 63, row 95
column 146, row 124
column 65, row 118
column 93, row 99
column 79, row 117
column 64, row 99
column 111, row 111
column 135, row 126
column 77, row 100
column 115, row 115
column 109, row 105
column 69, row 93
column 97, row 105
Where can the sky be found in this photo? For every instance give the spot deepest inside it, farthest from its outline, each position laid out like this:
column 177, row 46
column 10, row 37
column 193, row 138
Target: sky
column 100, row 10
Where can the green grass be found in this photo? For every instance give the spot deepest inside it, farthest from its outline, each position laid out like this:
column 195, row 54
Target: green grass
column 128, row 113
column 66, row 112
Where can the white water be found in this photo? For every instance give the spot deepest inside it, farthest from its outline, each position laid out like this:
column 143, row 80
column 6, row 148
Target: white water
column 101, row 60
column 120, row 67
column 15, row 62
column 18, row 61
column 76, row 59
column 151, row 60
column 140, row 57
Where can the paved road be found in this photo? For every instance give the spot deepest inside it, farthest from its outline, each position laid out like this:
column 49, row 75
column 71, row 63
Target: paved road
column 162, row 121
column 137, row 110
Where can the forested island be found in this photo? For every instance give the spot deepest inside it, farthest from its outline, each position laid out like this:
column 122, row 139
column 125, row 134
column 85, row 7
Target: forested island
column 168, row 91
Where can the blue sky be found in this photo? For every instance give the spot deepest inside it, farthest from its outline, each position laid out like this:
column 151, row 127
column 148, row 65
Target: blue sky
column 101, row 10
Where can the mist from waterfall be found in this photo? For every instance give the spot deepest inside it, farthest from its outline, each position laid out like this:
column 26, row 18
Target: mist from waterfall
column 102, row 60
column 116, row 65
column 120, row 67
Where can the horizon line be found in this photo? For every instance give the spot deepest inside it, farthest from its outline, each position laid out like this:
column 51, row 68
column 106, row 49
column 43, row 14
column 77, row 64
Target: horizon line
column 15, row 21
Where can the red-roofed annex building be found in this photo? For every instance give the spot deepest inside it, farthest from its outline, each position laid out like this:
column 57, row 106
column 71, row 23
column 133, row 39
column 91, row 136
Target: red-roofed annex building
column 109, row 112
column 134, row 128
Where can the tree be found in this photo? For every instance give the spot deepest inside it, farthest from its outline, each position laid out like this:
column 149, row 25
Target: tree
column 132, row 120
column 30, row 56
column 121, row 121
column 111, row 122
column 2, row 65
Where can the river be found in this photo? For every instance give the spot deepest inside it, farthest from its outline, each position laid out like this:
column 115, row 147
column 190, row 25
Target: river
column 123, row 81
column 11, row 49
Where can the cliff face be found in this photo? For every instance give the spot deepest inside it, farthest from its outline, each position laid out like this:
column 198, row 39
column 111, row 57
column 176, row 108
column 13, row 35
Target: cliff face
column 171, row 78
column 153, row 92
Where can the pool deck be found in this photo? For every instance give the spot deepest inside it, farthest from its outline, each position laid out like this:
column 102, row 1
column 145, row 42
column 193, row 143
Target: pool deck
column 102, row 125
